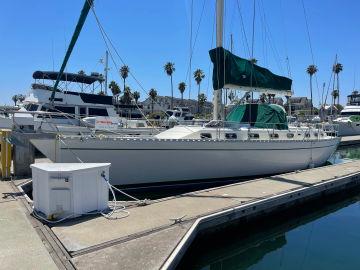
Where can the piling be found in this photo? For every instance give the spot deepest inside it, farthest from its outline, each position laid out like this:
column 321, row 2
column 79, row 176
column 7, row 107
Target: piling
column 5, row 154
column 24, row 151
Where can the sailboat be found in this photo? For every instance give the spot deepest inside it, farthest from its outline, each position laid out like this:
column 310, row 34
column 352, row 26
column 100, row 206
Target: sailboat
column 255, row 141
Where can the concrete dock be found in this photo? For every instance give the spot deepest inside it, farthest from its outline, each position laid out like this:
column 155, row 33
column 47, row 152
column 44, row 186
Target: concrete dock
column 350, row 140
column 21, row 246
column 157, row 235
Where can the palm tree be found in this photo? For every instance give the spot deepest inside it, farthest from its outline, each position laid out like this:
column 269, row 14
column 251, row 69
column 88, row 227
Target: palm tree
column 124, row 72
column 335, row 95
column 114, row 87
column 182, row 87
column 201, row 100
column 15, row 99
column 136, row 96
column 126, row 98
column 170, row 69
column 115, row 90
column 198, row 76
column 153, row 95
column 311, row 70
column 337, row 68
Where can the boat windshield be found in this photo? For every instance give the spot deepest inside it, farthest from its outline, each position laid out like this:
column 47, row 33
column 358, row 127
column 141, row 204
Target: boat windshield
column 31, row 107
column 224, row 124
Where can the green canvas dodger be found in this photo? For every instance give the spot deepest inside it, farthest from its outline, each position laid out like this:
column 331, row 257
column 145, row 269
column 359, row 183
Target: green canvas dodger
column 259, row 116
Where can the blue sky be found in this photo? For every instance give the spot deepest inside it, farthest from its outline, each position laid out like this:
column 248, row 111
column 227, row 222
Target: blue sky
column 34, row 35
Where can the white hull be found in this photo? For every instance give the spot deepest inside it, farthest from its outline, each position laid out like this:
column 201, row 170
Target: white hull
column 348, row 128
column 5, row 122
column 148, row 161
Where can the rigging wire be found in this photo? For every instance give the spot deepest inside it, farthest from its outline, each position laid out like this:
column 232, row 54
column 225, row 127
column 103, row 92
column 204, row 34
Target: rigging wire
column 311, row 48
column 270, row 38
column 332, row 77
column 247, row 47
column 192, row 46
column 264, row 47
column 108, row 42
column 288, row 67
column 230, row 46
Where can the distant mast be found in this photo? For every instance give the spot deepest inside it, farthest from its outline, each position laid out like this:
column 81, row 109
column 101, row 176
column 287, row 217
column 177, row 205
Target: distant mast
column 106, row 70
column 219, row 43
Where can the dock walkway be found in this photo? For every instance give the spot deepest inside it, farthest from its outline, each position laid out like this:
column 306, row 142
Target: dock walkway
column 150, row 239
column 157, row 235
column 21, row 247
column 350, row 140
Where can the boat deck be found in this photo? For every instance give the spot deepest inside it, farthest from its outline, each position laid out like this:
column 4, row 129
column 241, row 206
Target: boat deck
column 150, row 237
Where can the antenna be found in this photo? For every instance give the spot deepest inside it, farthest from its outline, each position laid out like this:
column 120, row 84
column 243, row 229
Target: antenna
column 191, row 38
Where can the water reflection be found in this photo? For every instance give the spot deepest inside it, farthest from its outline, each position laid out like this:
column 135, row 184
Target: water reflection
column 311, row 237
column 344, row 154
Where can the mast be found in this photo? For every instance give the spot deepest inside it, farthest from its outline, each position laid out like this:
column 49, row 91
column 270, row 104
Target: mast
column 219, row 43
column 80, row 24
column 106, row 70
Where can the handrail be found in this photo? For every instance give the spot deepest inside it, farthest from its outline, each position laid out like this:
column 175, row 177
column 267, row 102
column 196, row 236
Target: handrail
column 309, row 128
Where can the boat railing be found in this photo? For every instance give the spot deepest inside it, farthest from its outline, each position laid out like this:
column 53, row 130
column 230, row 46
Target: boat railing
column 73, row 121
column 48, row 117
column 309, row 130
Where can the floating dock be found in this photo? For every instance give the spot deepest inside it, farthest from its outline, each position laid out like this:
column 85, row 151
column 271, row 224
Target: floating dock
column 350, row 140
column 157, row 235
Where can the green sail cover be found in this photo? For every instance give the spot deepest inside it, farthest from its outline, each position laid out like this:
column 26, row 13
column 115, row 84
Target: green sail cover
column 231, row 71
column 259, row 115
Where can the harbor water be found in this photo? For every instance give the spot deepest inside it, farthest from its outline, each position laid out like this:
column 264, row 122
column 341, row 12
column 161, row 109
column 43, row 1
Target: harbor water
column 319, row 235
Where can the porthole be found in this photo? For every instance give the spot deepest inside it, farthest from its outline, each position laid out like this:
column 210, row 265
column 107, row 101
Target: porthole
column 254, row 136
column 205, row 136
column 231, row 136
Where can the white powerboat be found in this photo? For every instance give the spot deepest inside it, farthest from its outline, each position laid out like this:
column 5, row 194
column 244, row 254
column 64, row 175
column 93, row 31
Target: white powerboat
column 349, row 118
column 70, row 112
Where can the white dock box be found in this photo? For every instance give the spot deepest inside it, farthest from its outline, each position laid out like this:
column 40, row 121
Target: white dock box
column 64, row 189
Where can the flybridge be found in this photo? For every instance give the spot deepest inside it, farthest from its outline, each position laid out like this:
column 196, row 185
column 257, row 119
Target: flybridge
column 84, row 82
column 69, row 77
